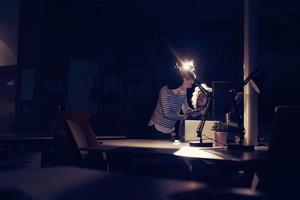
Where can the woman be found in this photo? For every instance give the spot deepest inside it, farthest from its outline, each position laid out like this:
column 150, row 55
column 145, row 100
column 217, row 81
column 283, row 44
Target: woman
column 172, row 99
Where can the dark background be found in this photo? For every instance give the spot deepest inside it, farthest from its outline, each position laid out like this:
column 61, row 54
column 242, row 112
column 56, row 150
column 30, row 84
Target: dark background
column 118, row 54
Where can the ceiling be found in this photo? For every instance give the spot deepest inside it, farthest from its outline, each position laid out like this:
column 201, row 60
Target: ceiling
column 170, row 12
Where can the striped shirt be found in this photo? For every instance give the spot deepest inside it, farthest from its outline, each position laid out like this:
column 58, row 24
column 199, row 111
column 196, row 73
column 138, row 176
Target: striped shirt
column 167, row 110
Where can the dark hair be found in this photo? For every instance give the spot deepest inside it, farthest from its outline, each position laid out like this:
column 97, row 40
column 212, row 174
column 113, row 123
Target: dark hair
column 175, row 78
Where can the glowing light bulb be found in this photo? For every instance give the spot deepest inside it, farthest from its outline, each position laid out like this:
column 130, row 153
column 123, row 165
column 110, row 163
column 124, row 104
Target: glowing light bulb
column 188, row 65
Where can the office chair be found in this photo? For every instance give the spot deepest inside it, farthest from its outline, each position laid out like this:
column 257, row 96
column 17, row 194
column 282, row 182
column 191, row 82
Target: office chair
column 72, row 133
column 281, row 172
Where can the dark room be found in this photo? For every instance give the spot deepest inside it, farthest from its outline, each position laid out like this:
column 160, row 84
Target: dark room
column 149, row 99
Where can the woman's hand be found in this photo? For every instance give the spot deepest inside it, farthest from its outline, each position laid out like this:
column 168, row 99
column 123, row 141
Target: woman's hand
column 193, row 113
column 186, row 116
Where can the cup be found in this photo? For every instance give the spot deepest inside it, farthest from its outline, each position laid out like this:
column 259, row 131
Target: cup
column 220, row 138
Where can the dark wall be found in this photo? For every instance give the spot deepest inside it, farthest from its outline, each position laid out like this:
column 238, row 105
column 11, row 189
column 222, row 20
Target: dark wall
column 9, row 24
column 122, row 44
column 278, row 54
column 30, row 110
column 215, row 46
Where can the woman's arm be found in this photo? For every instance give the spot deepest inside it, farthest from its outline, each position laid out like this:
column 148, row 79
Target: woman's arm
column 185, row 107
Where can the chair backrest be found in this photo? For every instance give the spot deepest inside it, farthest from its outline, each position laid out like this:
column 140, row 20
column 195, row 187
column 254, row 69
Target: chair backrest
column 285, row 133
column 282, row 169
column 80, row 128
column 83, row 134
column 66, row 143
column 76, row 116
column 77, row 134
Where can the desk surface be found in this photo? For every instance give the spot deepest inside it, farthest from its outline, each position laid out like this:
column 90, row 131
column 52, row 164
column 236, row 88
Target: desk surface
column 25, row 141
column 179, row 149
column 75, row 183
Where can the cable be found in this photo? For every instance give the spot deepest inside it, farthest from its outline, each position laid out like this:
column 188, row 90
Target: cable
column 207, row 137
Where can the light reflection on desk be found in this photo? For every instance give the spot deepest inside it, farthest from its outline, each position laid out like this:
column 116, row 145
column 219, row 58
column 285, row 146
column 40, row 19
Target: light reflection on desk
column 195, row 153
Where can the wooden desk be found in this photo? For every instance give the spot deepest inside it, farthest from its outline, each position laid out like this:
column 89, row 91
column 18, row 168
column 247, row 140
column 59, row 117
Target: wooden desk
column 16, row 140
column 182, row 150
column 74, row 183
column 23, row 150
column 218, row 160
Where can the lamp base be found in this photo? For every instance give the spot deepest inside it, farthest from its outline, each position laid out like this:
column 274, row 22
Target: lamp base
column 240, row 147
column 200, row 144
